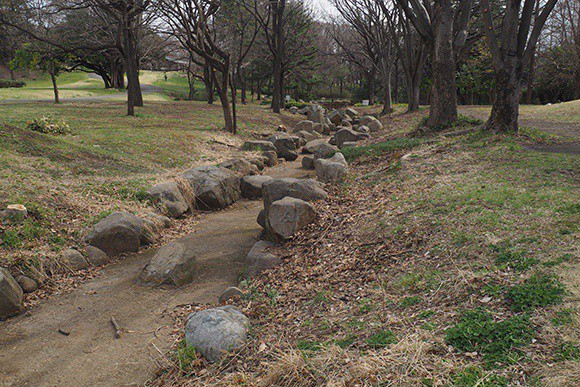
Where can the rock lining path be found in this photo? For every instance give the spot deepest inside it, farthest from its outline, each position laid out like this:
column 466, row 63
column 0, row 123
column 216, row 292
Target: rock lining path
column 34, row 353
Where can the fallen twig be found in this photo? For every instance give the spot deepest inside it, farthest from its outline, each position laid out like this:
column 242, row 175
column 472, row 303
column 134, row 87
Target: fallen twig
column 117, row 328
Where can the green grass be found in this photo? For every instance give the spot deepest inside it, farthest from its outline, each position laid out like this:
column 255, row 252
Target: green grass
column 476, row 377
column 476, row 331
column 540, row 290
column 177, row 87
column 379, row 149
column 381, row 339
column 516, row 260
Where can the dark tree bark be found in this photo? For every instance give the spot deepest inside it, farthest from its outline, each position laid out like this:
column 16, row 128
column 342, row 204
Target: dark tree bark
column 54, row 85
column 277, row 9
column 511, row 54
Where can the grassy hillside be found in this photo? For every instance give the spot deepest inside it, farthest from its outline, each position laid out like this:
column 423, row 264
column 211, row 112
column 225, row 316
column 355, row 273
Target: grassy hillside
column 71, row 181
column 443, row 261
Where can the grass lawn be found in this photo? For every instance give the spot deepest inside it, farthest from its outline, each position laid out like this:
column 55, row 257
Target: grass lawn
column 70, row 181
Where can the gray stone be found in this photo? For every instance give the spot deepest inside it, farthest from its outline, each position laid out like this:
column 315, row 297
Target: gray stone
column 258, row 145
column 286, row 145
column 96, row 256
column 260, row 258
column 161, row 221
column 305, row 125
column 240, row 166
column 362, row 129
column 311, row 146
column 289, row 215
column 305, row 189
column 14, row 213
column 10, row 295
column 349, row 135
column 316, row 114
column 118, row 233
column 308, row 162
column 169, row 195
column 172, row 265
column 272, row 157
column 345, row 123
column 306, row 135
column 318, row 128
column 251, row 186
column 27, row 284
column 214, row 187
column 293, row 110
column 335, row 116
column 351, row 113
column 333, row 170
column 214, row 332
column 74, row 259
column 258, row 162
column 323, row 150
column 371, row 122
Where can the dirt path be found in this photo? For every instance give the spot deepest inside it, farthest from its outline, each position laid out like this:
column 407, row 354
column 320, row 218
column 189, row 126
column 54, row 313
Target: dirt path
column 33, row 353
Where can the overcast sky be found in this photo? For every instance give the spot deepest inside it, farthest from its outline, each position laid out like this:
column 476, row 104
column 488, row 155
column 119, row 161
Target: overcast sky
column 323, row 7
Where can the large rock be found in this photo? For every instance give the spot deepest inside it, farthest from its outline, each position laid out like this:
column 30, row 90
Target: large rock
column 96, row 256
column 10, row 295
column 350, row 112
column 332, row 170
column 258, row 145
column 308, row 162
column 305, row 125
column 286, row 145
column 118, row 233
column 172, row 265
column 289, row 215
column 311, row 146
column 349, row 135
column 252, row 186
column 169, row 195
column 371, row 122
column 316, row 114
column 240, row 166
column 258, row 162
column 214, row 187
column 271, row 158
column 335, row 117
column 324, row 150
column 74, row 259
column 14, row 213
column 306, row 135
column 27, row 284
column 305, row 189
column 214, row 332
column 260, row 258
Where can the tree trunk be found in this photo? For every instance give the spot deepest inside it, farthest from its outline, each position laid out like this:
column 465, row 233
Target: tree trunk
column 530, row 80
column 396, row 83
column 54, row 86
column 386, row 78
column 208, row 78
column 505, row 108
column 222, row 90
column 12, row 75
column 443, row 111
column 129, row 66
column 372, row 86
column 278, row 30
column 259, row 91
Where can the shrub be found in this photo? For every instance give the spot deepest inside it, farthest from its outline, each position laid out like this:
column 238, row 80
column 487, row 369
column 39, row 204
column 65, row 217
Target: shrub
column 495, row 340
column 6, row 83
column 48, row 125
column 538, row 290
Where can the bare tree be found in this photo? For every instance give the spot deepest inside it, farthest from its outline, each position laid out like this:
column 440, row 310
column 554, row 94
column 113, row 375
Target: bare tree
column 511, row 51
column 443, row 26
column 191, row 21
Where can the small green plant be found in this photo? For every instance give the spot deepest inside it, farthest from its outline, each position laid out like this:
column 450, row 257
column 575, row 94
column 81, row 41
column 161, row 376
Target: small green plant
column 540, row 290
column 517, row 260
column 10, row 239
column 346, row 342
column 567, row 351
column 48, row 125
column 475, row 376
column 426, row 314
column 558, row 261
column 307, row 345
column 462, row 121
column 410, row 301
column 185, row 357
column 272, row 294
column 476, row 331
column 563, row 317
column 382, row 339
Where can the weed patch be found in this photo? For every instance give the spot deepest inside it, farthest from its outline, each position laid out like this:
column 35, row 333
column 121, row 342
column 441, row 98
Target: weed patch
column 475, row 376
column 539, row 290
column 516, row 260
column 382, row 339
column 476, row 331
column 379, row 149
